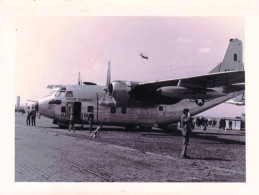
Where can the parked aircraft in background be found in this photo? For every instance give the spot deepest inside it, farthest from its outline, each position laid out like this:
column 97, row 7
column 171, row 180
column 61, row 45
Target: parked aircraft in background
column 239, row 100
column 147, row 104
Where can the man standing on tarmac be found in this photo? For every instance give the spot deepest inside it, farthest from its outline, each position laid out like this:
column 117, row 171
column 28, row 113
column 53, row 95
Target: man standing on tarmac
column 186, row 130
column 33, row 116
column 230, row 124
column 90, row 120
column 28, row 120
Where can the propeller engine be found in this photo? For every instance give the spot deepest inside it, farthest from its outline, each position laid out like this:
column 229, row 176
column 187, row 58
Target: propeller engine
column 107, row 101
column 116, row 92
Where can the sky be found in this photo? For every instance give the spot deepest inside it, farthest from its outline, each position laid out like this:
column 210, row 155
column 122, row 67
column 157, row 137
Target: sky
column 52, row 50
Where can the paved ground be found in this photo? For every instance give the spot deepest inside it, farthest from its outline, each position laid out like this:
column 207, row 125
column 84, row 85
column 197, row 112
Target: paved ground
column 46, row 153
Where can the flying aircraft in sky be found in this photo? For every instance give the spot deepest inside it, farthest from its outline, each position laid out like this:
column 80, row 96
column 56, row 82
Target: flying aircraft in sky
column 143, row 55
column 147, row 104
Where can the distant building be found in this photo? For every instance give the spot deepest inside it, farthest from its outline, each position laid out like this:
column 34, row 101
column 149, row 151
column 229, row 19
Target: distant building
column 18, row 101
column 237, row 123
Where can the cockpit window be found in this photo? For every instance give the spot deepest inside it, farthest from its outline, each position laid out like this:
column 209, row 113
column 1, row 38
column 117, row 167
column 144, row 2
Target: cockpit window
column 52, row 92
column 69, row 94
column 60, row 94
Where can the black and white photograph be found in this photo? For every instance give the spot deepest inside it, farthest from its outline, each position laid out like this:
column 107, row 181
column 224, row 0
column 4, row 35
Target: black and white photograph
column 128, row 99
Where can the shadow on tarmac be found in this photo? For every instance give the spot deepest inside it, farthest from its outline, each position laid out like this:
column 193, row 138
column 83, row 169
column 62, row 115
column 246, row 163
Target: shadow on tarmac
column 217, row 159
column 160, row 132
column 217, row 139
column 225, row 134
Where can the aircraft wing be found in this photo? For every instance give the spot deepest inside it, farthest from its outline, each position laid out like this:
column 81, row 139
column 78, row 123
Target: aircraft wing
column 197, row 87
column 204, row 81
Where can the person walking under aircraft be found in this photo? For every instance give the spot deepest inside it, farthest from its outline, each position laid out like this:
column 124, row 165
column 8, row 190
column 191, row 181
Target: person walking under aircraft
column 230, row 124
column 198, row 122
column 33, row 116
column 90, row 120
column 186, row 130
column 203, row 124
column 220, row 123
column 214, row 123
column 28, row 121
column 224, row 124
column 72, row 123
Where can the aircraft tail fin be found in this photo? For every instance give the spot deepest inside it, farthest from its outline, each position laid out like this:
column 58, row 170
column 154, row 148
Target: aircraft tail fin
column 233, row 59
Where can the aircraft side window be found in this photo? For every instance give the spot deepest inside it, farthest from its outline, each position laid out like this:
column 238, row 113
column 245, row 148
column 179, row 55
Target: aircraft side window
column 113, row 109
column 123, row 110
column 161, row 108
column 69, row 94
column 90, row 108
column 235, row 57
column 55, row 102
column 60, row 94
column 52, row 93
column 58, row 102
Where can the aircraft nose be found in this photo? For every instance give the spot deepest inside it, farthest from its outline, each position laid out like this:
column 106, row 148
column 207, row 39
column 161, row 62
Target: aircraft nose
column 43, row 106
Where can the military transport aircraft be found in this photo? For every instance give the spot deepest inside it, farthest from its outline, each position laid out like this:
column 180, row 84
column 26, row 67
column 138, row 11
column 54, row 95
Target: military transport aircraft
column 147, row 104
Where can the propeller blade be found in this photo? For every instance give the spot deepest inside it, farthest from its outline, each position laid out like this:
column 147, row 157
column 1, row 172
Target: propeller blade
column 108, row 100
column 108, row 75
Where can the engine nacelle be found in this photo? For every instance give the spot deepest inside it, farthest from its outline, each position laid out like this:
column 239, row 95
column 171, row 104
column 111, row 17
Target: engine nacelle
column 188, row 93
column 120, row 91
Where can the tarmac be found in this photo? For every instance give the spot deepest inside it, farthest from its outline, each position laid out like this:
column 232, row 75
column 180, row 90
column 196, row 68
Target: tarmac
column 45, row 153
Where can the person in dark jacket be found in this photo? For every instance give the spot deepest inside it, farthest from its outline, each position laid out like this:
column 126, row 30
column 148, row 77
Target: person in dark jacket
column 28, row 121
column 90, row 120
column 33, row 116
column 224, row 124
column 186, row 130
column 230, row 124
column 72, row 123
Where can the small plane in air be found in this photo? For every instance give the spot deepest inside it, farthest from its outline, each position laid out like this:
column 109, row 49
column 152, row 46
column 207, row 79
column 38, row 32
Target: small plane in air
column 143, row 55
column 147, row 104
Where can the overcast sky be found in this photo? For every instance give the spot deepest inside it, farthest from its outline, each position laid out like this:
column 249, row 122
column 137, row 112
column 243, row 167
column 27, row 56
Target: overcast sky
column 52, row 50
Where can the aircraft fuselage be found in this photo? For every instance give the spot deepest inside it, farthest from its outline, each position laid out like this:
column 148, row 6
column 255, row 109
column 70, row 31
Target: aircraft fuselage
column 80, row 100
